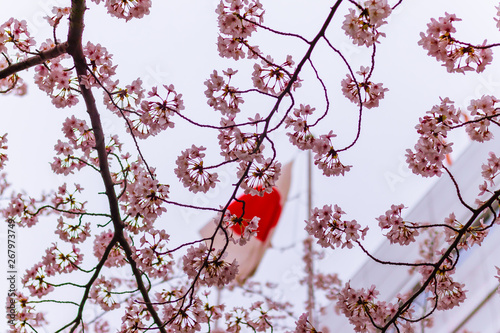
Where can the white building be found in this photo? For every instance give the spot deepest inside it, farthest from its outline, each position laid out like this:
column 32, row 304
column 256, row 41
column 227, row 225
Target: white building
column 476, row 268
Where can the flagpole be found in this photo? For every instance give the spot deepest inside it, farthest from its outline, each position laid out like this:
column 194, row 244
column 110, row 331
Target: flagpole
column 308, row 244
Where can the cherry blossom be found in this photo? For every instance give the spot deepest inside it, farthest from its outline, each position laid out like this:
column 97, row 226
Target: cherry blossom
column 102, row 293
column 160, row 282
column 400, row 232
column 363, row 28
column 261, row 177
column 491, row 169
column 116, row 257
column 457, row 57
column 371, row 93
column 12, row 83
column 238, row 230
column 271, row 78
column 213, row 270
column 143, row 195
column 59, row 13
column 22, row 210
column 99, row 65
column 182, row 320
column 431, row 148
column 26, row 316
column 152, row 257
column 3, row 146
column 16, row 32
column 481, row 110
column 127, row 9
column 327, row 158
column 330, row 230
column 301, row 135
column 303, row 325
column 73, row 233
column 475, row 233
column 236, row 144
column 365, row 312
column 191, row 172
column 228, row 99
column 155, row 116
column 236, row 23
column 35, row 280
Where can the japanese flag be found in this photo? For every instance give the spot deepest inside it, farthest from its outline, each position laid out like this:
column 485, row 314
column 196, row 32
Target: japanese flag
column 268, row 208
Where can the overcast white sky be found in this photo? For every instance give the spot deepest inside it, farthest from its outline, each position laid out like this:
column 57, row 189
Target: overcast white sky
column 176, row 45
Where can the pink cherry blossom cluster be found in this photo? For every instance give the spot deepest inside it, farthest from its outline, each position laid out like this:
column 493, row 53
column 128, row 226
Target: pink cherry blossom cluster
column 497, row 19
column 3, row 183
column 365, row 92
column 12, row 83
column 102, row 293
column 192, row 173
column 261, row 177
column 209, row 265
column 446, row 293
column 179, row 318
column 59, row 13
column 136, row 315
column 272, row 78
column 304, row 325
column 236, row 23
column 143, row 195
column 80, row 138
column 238, row 230
column 3, row 146
column 475, row 233
column 116, row 257
column 327, row 158
column 432, row 148
column 14, row 35
column 329, row 283
column 256, row 318
column 35, row 280
column 236, row 144
column 481, row 110
column 491, row 169
column 66, row 201
column 330, row 230
column 127, row 9
column 366, row 313
column 363, row 28
column 457, row 57
column 401, row 232
column 22, row 210
column 153, row 115
column 227, row 98
column 16, row 32
column 72, row 233
column 56, row 80
column 26, row 315
column 99, row 65
column 57, row 262
column 125, row 99
column 301, row 135
column 151, row 257
column 54, row 262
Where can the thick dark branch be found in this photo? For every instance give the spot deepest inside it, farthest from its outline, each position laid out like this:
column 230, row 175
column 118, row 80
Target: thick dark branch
column 35, row 60
column 75, row 49
column 453, row 247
